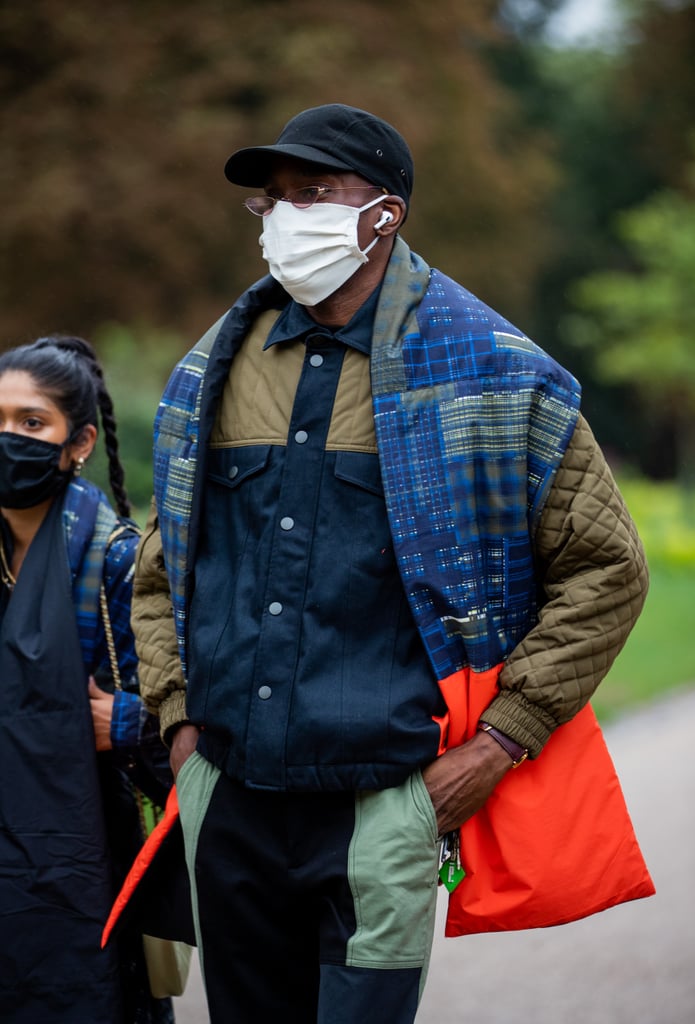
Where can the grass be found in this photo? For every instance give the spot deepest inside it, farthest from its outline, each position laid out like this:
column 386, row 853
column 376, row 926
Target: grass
column 660, row 651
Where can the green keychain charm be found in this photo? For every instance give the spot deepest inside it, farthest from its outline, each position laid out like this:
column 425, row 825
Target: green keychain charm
column 451, row 873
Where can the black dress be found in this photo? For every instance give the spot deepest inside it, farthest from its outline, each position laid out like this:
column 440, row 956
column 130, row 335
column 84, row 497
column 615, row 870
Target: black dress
column 56, row 862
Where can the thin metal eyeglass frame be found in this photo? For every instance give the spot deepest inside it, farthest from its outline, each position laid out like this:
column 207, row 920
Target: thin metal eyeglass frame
column 322, row 190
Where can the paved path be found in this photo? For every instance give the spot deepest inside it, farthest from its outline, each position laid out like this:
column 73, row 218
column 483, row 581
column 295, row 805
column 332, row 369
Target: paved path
column 633, row 964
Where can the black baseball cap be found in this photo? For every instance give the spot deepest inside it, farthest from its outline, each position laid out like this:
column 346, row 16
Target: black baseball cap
column 337, row 137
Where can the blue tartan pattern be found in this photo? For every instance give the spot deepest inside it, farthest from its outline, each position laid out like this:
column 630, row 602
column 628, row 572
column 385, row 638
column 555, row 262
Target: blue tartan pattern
column 176, row 431
column 177, row 419
column 472, row 421
column 89, row 521
column 128, row 719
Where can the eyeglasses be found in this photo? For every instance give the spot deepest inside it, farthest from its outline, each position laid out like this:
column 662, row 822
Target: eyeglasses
column 303, row 198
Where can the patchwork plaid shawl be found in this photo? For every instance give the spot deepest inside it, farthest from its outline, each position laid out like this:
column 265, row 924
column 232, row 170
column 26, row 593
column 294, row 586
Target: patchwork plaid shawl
column 472, row 420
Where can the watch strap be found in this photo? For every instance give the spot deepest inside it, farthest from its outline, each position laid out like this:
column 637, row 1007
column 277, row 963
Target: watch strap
column 517, row 753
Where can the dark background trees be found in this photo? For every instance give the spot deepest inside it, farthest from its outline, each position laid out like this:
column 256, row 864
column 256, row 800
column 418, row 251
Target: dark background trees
column 117, row 124
column 118, row 118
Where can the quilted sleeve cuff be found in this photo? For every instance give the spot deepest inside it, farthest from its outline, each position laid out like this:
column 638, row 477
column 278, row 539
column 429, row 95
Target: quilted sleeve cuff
column 172, row 712
column 525, row 723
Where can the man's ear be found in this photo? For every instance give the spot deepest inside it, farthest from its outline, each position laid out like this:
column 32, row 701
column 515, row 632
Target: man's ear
column 391, row 215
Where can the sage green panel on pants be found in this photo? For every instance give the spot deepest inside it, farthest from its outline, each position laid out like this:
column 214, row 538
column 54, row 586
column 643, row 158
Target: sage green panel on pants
column 195, row 784
column 392, row 867
column 392, row 870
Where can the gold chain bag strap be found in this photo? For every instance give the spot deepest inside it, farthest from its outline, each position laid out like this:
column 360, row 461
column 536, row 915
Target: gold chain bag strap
column 168, row 960
column 116, row 676
column 113, row 660
column 106, row 619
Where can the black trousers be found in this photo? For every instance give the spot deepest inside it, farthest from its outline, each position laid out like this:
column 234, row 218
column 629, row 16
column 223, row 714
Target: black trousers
column 310, row 907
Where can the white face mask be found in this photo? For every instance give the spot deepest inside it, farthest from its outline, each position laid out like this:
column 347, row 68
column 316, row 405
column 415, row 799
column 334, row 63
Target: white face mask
column 311, row 253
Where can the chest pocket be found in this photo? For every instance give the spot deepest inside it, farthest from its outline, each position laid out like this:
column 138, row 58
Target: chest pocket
column 360, row 469
column 230, row 467
column 359, row 526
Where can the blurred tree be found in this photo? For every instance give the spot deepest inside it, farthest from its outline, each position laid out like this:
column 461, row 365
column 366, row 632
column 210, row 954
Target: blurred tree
column 117, row 122
column 118, row 119
column 137, row 362
column 655, row 91
column 604, row 109
column 573, row 93
column 529, row 18
column 639, row 325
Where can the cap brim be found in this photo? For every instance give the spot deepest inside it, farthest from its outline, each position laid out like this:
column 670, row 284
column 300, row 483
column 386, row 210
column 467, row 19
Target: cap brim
column 251, row 167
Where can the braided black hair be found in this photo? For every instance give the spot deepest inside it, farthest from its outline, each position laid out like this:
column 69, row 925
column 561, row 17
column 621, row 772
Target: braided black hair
column 67, row 370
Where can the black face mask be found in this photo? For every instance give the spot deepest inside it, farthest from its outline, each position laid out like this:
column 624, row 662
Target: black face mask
column 29, row 470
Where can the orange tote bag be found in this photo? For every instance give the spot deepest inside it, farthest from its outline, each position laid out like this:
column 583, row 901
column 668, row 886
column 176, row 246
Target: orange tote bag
column 554, row 842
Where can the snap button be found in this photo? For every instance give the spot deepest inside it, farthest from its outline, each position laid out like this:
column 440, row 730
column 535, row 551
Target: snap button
column 264, row 692
column 275, row 608
column 301, row 437
column 234, row 471
column 286, row 523
column 316, row 359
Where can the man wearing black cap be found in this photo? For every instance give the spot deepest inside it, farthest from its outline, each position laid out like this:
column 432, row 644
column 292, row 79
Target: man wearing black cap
column 348, row 177
column 371, row 517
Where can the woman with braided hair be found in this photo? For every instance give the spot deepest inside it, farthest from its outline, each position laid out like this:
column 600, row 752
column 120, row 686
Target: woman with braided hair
column 69, row 823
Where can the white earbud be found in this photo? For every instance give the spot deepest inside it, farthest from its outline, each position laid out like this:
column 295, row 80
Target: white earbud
column 384, row 219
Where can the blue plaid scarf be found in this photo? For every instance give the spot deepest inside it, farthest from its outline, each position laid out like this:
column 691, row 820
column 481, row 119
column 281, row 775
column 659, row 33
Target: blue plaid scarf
column 472, row 420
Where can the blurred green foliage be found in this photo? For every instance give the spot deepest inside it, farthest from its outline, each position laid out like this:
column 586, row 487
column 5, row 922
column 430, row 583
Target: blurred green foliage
column 137, row 363
column 660, row 651
column 665, row 526
column 620, row 120
column 646, row 313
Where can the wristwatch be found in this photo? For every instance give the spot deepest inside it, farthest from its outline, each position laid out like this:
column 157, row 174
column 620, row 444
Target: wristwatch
column 517, row 753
